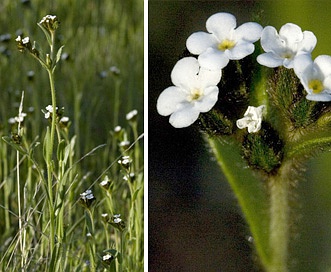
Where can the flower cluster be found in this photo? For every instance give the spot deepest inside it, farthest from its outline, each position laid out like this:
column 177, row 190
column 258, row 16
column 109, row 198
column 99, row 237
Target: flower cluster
column 49, row 22
column 196, row 80
column 87, row 198
column 115, row 220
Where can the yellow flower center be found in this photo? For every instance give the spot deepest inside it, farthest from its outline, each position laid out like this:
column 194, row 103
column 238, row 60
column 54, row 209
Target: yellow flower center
column 226, row 44
column 316, row 86
column 195, row 95
column 287, row 55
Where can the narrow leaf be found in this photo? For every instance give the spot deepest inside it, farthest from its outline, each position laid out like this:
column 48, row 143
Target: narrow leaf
column 249, row 190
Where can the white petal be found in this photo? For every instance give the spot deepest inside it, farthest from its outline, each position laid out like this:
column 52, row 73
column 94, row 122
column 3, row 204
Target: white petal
column 254, row 127
column 184, row 117
column 302, row 63
column 213, row 59
column 308, row 43
column 240, row 51
column 322, row 97
column 243, row 122
column 184, row 73
column 199, row 42
column 208, row 101
column 327, row 82
column 208, row 78
column 291, row 34
column 270, row 41
column 323, row 62
column 221, row 24
column 270, row 60
column 249, row 32
column 169, row 99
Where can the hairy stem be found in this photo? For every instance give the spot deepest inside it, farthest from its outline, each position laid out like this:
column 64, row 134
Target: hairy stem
column 279, row 218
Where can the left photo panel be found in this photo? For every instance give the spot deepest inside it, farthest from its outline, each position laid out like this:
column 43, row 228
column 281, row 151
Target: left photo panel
column 72, row 135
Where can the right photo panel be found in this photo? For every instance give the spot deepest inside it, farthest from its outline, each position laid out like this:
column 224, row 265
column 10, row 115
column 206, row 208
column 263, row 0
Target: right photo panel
column 239, row 136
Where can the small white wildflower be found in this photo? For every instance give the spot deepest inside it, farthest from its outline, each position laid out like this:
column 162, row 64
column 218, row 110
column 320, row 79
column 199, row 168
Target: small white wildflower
column 26, row 40
column 283, row 48
column 117, row 218
column 224, row 41
column 107, row 257
column 47, row 19
column 195, row 90
column 124, row 144
column 315, row 76
column 117, row 128
column 252, row 119
column 20, row 117
column 49, row 109
column 131, row 115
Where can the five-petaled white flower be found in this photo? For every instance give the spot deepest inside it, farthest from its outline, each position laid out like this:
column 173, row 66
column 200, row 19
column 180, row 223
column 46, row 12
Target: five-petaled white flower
column 223, row 42
column 315, row 76
column 282, row 48
column 195, row 91
column 252, row 119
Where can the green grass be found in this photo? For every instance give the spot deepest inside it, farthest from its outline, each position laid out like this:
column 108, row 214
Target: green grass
column 97, row 35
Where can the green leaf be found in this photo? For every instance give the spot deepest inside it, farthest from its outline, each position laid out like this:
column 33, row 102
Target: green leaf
column 16, row 146
column 46, row 32
column 58, row 54
column 310, row 144
column 249, row 190
column 89, row 222
column 135, row 194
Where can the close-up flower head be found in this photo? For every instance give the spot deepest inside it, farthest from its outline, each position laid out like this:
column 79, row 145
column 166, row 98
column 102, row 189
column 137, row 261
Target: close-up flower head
column 315, row 76
column 195, row 90
column 224, row 41
column 282, row 48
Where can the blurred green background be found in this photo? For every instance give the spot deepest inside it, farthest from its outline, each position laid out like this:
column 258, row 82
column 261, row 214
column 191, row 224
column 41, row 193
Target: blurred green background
column 98, row 81
column 194, row 221
column 98, row 36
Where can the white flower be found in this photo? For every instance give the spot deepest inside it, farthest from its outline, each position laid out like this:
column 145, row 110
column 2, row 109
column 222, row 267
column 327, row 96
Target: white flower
column 47, row 19
column 25, row 40
column 49, row 109
column 315, row 76
column 131, row 115
column 223, row 42
column 282, row 48
column 252, row 119
column 195, row 91
column 117, row 218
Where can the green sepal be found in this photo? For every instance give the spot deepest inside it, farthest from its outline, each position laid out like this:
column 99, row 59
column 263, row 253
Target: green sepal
column 249, row 189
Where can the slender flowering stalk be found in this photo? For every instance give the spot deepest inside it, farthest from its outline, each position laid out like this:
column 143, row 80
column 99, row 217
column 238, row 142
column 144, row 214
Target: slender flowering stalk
column 48, row 24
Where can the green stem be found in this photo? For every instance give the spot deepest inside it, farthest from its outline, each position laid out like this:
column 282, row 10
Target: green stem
column 49, row 162
column 279, row 219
